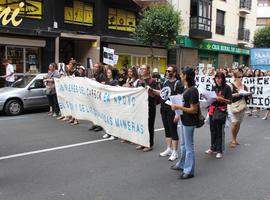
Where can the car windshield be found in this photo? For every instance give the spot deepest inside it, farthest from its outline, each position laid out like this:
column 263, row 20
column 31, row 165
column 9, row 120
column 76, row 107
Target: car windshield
column 23, row 81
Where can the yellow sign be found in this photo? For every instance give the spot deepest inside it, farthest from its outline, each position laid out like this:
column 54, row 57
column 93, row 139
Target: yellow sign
column 8, row 16
column 121, row 20
column 81, row 13
column 32, row 8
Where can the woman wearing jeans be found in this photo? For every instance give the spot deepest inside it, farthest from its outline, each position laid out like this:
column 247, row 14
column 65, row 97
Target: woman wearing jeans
column 189, row 120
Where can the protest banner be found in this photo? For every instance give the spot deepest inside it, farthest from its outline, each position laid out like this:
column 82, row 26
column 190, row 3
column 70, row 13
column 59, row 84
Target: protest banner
column 108, row 56
column 122, row 112
column 258, row 86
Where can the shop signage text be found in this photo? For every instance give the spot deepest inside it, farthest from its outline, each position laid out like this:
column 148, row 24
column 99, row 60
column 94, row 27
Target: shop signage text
column 8, row 16
column 211, row 46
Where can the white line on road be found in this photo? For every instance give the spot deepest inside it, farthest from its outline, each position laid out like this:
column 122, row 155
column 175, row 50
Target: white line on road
column 53, row 149
column 12, row 118
column 59, row 148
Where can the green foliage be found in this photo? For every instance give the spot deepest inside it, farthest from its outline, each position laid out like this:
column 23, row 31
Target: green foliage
column 159, row 24
column 262, row 38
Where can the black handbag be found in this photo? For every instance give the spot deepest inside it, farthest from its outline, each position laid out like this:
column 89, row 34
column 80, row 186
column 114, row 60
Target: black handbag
column 220, row 115
column 201, row 118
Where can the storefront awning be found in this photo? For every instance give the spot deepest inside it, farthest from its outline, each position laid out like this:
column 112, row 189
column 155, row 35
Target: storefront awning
column 22, row 42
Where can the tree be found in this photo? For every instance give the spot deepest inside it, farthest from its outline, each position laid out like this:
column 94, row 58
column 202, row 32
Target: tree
column 262, row 38
column 159, row 25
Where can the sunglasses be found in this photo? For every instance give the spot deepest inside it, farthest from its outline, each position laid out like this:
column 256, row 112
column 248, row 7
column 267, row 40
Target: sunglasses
column 169, row 71
column 240, row 77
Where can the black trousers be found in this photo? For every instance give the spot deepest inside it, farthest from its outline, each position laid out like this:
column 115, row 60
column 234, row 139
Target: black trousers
column 151, row 123
column 217, row 135
column 170, row 127
column 54, row 103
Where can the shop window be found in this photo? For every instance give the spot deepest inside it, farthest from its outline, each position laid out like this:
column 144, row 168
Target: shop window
column 123, row 20
column 158, row 62
column 79, row 12
column 124, row 61
column 33, row 8
column 24, row 60
column 15, row 55
column 32, row 62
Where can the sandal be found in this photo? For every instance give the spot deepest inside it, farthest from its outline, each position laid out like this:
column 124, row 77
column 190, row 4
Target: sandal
column 233, row 144
column 74, row 123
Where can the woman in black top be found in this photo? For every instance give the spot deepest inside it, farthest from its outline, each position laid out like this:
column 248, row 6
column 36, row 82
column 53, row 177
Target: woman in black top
column 172, row 86
column 224, row 97
column 111, row 80
column 148, row 82
column 189, row 120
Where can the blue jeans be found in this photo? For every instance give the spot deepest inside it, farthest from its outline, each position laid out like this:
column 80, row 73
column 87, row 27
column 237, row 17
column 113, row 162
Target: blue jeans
column 187, row 161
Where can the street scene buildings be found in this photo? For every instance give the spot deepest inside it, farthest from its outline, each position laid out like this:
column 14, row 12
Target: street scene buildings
column 134, row 99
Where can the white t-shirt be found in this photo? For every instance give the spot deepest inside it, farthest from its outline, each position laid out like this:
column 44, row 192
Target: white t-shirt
column 10, row 70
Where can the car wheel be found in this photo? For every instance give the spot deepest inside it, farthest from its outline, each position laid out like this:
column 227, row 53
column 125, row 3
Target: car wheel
column 13, row 107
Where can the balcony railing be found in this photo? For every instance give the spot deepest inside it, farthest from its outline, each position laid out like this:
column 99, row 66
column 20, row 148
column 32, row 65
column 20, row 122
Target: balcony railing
column 245, row 4
column 201, row 23
column 244, row 34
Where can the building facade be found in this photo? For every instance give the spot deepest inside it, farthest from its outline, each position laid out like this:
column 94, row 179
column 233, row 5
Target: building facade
column 45, row 31
column 215, row 33
column 263, row 13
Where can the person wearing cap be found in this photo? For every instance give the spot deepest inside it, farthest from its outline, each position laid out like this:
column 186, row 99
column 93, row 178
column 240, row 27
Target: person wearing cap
column 190, row 108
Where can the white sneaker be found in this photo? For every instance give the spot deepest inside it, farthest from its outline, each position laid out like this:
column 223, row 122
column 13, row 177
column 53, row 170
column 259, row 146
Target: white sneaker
column 106, row 136
column 174, row 156
column 167, row 152
column 112, row 137
column 219, row 155
column 210, row 151
column 264, row 118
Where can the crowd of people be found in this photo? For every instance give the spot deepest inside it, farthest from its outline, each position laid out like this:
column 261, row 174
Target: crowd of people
column 226, row 106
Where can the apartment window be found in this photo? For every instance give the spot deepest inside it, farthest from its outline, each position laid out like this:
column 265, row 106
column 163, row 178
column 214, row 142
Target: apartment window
column 122, row 20
column 220, row 27
column 263, row 3
column 78, row 12
column 241, row 22
column 201, row 15
column 263, row 21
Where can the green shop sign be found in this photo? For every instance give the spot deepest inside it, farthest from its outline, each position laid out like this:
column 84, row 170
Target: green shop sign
column 211, row 46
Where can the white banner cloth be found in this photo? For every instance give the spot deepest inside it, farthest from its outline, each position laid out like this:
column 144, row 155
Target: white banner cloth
column 258, row 86
column 122, row 112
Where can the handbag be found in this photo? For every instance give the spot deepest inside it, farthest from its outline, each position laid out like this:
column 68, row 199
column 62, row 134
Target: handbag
column 201, row 118
column 238, row 106
column 49, row 90
column 219, row 115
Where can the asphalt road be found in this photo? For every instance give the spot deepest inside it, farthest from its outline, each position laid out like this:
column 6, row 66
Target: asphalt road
column 97, row 169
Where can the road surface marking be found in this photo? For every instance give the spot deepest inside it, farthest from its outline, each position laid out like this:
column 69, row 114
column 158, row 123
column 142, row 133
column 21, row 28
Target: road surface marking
column 12, row 118
column 59, row 148
column 53, row 149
